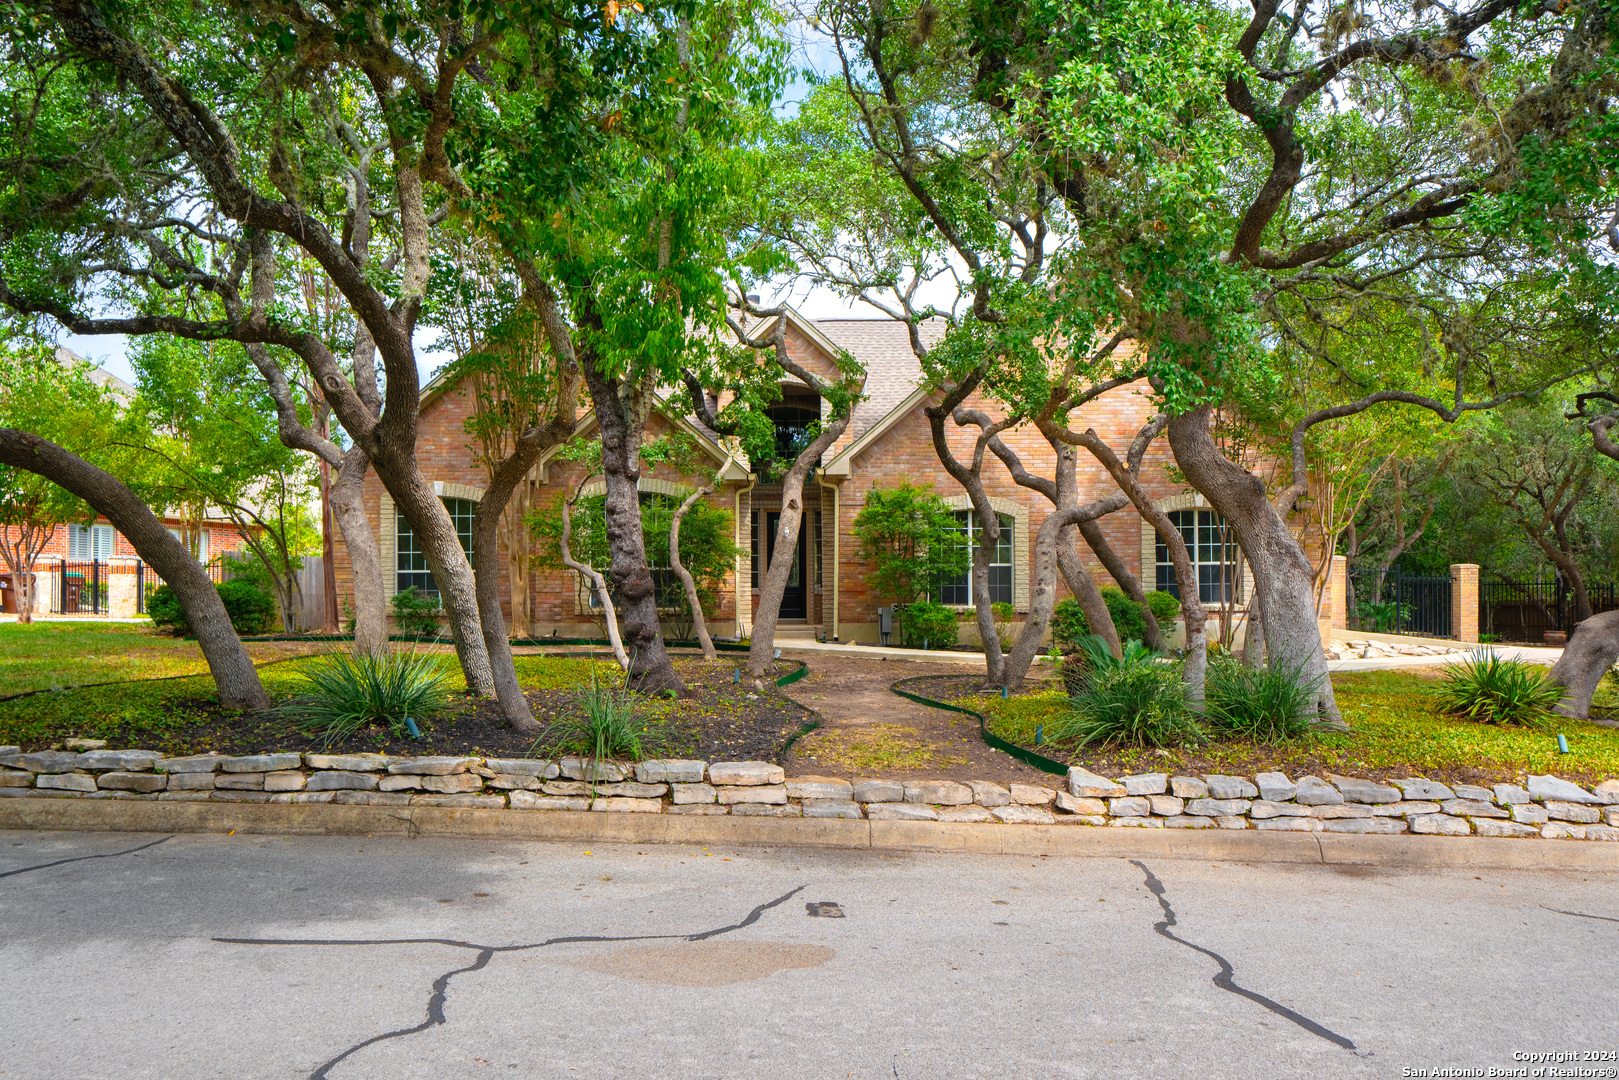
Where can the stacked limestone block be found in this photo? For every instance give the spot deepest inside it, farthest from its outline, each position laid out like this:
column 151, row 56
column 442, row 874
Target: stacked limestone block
column 1548, row 807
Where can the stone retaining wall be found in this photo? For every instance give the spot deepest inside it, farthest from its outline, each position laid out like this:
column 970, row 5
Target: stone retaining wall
column 1548, row 807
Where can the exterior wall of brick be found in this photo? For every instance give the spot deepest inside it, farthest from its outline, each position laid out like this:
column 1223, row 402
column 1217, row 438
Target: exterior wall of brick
column 449, row 457
column 1464, row 602
column 840, row 598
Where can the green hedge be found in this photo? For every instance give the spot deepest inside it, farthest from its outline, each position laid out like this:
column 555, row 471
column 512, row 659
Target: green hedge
column 1069, row 625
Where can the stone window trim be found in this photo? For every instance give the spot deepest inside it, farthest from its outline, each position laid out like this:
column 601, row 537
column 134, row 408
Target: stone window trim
column 388, row 526
column 1190, row 500
column 1020, row 545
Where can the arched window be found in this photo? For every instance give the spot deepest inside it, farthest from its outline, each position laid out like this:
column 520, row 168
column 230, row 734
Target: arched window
column 958, row 590
column 1213, row 550
column 411, row 568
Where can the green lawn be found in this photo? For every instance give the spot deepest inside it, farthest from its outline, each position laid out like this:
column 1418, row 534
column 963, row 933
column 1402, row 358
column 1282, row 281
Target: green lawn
column 47, row 654
column 1397, row 731
column 147, row 706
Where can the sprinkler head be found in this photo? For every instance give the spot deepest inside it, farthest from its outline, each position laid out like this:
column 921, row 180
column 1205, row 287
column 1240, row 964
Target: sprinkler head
column 1562, row 744
column 1039, row 734
column 410, row 725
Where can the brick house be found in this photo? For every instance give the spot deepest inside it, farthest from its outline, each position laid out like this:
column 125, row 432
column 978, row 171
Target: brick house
column 887, row 442
column 95, row 555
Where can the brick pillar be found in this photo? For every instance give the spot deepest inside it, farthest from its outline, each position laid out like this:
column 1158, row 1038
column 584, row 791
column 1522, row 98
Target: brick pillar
column 1464, row 602
column 1338, row 583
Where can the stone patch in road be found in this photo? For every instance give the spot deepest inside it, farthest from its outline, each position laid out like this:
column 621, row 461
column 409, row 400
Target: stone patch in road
column 706, row 963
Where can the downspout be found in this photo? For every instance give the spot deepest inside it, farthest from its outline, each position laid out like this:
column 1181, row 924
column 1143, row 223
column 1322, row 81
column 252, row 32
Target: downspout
column 736, row 591
column 837, row 563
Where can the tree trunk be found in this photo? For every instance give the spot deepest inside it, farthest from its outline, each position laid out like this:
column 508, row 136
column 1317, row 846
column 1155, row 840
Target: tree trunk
column 1589, row 655
column 621, row 418
column 699, row 621
column 762, row 645
column 1195, row 655
column 597, row 582
column 1253, row 644
column 1153, row 634
column 346, row 498
column 234, row 675
column 519, row 550
column 1283, row 576
column 508, row 475
column 452, row 572
column 1081, row 584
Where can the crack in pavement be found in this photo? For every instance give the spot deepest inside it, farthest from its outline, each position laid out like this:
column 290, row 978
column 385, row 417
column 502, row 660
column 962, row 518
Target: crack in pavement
column 486, row 953
column 1579, row 914
column 1224, row 979
column 82, row 858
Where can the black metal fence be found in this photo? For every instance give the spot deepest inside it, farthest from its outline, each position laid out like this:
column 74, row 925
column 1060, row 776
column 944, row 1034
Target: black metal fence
column 1526, row 610
column 1399, row 603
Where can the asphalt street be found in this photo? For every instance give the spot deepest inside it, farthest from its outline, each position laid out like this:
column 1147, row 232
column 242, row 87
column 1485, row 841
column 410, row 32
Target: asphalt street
column 129, row 955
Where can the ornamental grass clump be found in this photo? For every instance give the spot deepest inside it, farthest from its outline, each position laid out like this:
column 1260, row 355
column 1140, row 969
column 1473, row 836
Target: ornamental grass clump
column 605, row 725
column 344, row 693
column 1138, row 699
column 1492, row 690
column 1266, row 705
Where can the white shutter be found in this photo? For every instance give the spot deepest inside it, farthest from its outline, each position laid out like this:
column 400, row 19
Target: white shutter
column 202, row 546
column 78, row 543
column 101, row 542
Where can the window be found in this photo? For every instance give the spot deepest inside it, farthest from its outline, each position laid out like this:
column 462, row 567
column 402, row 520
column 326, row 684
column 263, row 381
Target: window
column 753, row 546
column 958, row 590
column 793, row 430
column 87, row 542
column 1213, row 551
column 202, row 543
column 411, row 563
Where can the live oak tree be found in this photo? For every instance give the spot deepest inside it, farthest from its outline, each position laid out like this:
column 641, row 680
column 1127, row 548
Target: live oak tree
column 611, row 173
column 38, row 395
column 1214, row 169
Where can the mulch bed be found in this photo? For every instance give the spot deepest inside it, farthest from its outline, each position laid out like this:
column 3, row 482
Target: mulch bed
column 717, row 720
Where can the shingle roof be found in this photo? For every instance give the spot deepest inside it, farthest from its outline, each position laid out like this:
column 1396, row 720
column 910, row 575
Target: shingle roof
column 892, row 370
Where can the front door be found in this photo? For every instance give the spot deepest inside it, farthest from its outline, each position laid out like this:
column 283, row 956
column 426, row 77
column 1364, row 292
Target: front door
column 793, row 605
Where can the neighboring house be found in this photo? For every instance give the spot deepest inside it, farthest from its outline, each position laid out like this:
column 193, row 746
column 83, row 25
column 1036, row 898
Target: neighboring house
column 93, row 569
column 888, row 442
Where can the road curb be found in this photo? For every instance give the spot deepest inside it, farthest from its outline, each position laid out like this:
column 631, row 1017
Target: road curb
column 560, row 826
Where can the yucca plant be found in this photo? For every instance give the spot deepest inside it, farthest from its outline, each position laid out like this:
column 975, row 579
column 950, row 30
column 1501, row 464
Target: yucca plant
column 1267, row 705
column 1137, row 699
column 1492, row 690
column 345, row 693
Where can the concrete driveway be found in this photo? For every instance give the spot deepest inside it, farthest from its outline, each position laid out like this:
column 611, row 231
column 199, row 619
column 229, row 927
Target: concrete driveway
column 131, row 955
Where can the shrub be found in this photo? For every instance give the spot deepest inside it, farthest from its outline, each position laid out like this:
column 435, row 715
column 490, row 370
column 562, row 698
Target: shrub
column 164, row 609
column 416, row 612
column 249, row 606
column 344, row 693
column 912, row 540
column 1069, row 625
column 1491, row 690
column 1134, row 700
column 928, row 625
column 1267, row 705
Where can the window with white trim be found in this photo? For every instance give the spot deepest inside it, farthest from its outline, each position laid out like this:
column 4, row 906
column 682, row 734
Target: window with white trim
column 957, row 590
column 411, row 561
column 87, row 542
column 1211, row 546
